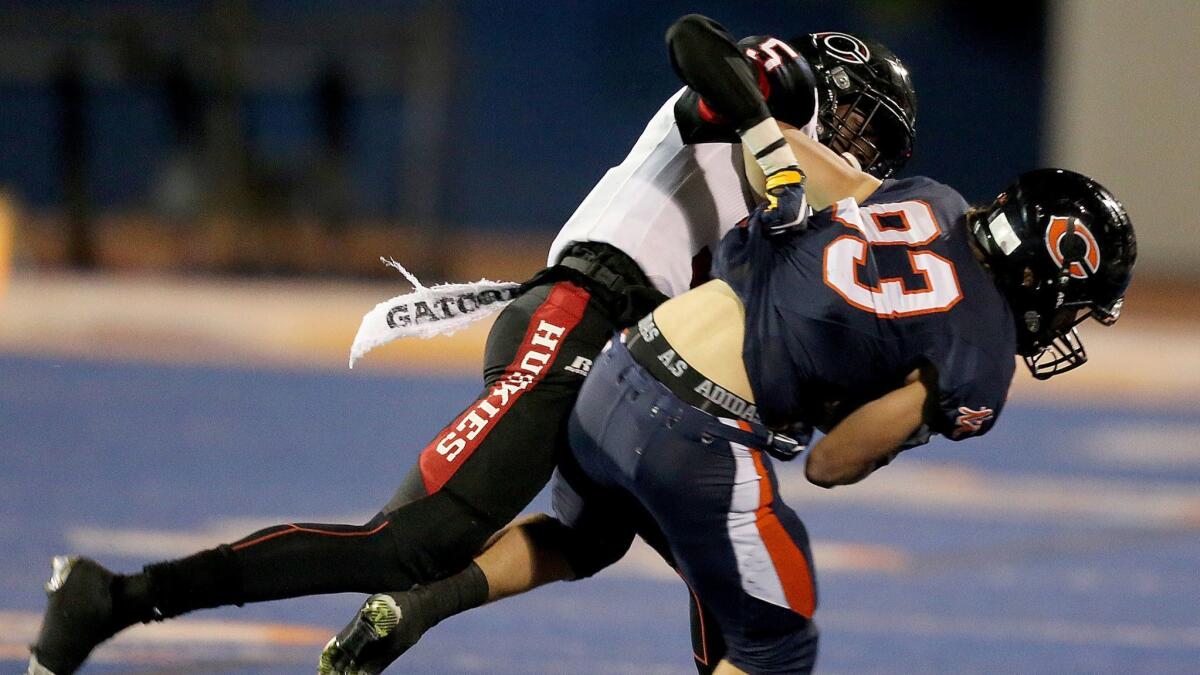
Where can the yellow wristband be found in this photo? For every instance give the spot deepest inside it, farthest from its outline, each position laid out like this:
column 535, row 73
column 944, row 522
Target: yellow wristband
column 786, row 177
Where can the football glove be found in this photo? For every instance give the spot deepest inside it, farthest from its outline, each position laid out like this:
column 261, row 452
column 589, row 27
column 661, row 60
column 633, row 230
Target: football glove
column 786, row 207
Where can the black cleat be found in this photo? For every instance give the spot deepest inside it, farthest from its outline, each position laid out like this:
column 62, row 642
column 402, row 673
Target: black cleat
column 384, row 628
column 78, row 616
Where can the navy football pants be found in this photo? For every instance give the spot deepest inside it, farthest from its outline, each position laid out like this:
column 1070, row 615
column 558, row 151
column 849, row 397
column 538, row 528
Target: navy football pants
column 648, row 460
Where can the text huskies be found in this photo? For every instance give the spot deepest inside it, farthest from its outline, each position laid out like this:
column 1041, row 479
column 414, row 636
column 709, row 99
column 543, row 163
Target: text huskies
column 535, row 356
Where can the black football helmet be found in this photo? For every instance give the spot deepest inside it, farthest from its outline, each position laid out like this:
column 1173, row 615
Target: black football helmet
column 867, row 103
column 1062, row 249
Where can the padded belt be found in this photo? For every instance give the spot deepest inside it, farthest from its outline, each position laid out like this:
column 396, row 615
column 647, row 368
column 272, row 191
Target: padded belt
column 615, row 280
column 653, row 352
column 597, row 271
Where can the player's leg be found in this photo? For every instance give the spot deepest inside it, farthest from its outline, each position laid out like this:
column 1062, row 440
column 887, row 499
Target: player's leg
column 589, row 554
column 496, row 456
column 533, row 551
column 521, row 557
column 511, row 430
column 598, row 516
column 88, row 604
column 742, row 550
column 596, row 528
column 628, row 432
column 493, row 458
column 708, row 645
column 623, row 295
column 501, row 452
column 713, row 495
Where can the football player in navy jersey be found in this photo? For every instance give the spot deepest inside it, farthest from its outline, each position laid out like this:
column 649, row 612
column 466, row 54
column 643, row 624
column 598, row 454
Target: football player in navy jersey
column 893, row 316
column 631, row 244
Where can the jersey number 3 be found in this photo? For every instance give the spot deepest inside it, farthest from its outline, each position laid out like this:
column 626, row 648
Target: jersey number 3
column 909, row 224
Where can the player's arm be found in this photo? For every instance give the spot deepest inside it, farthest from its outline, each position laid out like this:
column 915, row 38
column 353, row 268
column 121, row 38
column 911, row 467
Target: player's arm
column 870, row 436
column 830, row 177
column 707, row 59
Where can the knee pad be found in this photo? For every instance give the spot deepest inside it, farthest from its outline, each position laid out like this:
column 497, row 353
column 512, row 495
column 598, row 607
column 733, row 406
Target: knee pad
column 586, row 552
column 782, row 651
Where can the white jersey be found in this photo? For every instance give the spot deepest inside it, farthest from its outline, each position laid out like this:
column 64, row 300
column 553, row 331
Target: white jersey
column 665, row 203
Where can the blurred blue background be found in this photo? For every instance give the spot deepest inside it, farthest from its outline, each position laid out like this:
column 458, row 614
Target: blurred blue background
column 466, row 113
column 194, row 195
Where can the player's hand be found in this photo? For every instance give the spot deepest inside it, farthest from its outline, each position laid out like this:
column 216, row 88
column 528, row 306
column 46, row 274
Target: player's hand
column 786, row 206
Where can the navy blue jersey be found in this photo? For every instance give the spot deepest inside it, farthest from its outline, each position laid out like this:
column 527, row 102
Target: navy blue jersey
column 840, row 314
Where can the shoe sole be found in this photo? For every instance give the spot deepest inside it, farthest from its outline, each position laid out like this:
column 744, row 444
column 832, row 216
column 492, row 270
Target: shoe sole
column 36, row 668
column 60, row 569
column 376, row 620
column 380, row 615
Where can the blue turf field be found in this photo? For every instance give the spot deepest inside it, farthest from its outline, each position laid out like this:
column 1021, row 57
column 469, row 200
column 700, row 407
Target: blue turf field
column 1064, row 542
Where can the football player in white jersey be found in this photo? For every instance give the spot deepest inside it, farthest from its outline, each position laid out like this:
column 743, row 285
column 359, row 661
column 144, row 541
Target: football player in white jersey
column 639, row 237
column 681, row 188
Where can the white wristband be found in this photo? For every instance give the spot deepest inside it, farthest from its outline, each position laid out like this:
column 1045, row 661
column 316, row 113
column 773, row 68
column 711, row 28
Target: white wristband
column 766, row 139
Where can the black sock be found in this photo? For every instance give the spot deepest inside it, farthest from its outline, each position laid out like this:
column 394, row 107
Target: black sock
column 453, row 595
column 131, row 600
column 163, row 590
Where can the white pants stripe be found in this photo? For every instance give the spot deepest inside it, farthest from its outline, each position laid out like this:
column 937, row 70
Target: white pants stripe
column 755, row 567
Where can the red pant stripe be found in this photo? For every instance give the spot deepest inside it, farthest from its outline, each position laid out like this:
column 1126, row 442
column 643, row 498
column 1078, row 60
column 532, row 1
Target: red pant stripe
column 292, row 528
column 548, row 329
column 790, row 563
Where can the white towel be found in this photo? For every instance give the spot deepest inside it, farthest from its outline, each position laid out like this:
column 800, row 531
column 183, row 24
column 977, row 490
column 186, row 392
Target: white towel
column 429, row 311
